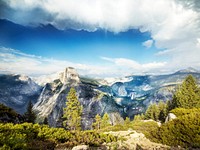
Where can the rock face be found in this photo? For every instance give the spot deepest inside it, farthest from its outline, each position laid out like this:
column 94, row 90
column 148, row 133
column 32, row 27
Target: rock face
column 17, row 90
column 53, row 98
column 69, row 76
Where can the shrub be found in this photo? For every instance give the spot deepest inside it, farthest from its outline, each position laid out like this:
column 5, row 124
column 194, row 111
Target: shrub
column 183, row 131
column 30, row 136
column 182, row 111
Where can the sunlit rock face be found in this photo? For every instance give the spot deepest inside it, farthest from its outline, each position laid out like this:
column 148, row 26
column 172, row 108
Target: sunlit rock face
column 17, row 90
column 170, row 117
column 69, row 76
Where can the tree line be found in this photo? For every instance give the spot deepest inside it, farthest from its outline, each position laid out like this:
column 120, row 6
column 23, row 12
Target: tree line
column 186, row 96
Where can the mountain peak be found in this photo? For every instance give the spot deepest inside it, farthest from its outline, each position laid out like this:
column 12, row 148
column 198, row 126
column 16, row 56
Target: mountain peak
column 69, row 75
column 188, row 70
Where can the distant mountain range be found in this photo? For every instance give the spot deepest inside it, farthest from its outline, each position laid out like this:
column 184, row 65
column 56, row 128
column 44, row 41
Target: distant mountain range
column 119, row 98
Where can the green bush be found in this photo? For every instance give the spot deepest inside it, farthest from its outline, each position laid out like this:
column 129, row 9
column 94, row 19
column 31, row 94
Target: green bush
column 34, row 136
column 147, row 128
column 182, row 111
column 183, row 131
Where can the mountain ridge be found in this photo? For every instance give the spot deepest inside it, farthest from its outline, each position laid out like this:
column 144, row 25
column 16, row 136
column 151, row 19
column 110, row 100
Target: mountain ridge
column 124, row 98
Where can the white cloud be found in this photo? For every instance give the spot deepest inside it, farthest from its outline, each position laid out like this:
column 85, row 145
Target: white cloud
column 133, row 66
column 148, row 43
column 14, row 61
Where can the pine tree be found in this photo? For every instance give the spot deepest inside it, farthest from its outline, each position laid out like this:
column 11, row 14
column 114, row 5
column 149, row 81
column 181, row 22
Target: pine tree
column 97, row 124
column 138, row 117
column 29, row 115
column 105, row 121
column 72, row 112
column 127, row 121
column 187, row 95
column 162, row 111
column 152, row 112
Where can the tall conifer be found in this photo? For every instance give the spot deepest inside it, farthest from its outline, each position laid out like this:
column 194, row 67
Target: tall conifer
column 72, row 112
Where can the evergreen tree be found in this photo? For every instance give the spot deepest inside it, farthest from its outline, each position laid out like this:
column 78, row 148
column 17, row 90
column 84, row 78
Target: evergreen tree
column 127, row 121
column 105, row 121
column 97, row 124
column 29, row 115
column 169, row 105
column 138, row 117
column 155, row 112
column 152, row 112
column 162, row 111
column 72, row 112
column 187, row 95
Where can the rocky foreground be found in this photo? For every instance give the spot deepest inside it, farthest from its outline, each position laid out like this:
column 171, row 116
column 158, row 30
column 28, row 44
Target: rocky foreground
column 132, row 140
column 128, row 140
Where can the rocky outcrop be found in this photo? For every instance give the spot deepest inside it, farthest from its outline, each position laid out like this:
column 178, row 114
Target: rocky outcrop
column 134, row 140
column 17, row 90
column 116, row 118
column 81, row 147
column 69, row 76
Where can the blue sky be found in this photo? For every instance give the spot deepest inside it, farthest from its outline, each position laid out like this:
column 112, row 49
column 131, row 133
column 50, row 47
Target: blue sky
column 99, row 39
column 78, row 46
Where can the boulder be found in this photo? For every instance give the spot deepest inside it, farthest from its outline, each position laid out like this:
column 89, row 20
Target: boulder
column 81, row 147
column 170, row 117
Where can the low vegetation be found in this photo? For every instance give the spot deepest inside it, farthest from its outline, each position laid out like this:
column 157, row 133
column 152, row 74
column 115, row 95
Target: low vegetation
column 34, row 136
column 183, row 131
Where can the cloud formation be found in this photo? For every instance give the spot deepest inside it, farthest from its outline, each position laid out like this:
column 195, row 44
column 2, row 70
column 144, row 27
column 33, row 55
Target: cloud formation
column 14, row 61
column 137, row 68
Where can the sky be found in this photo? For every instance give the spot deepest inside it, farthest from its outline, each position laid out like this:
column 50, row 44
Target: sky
column 100, row 38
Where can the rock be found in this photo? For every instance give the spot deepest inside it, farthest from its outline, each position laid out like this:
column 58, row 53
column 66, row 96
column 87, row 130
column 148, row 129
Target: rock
column 116, row 118
column 134, row 140
column 81, row 147
column 69, row 76
column 170, row 117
